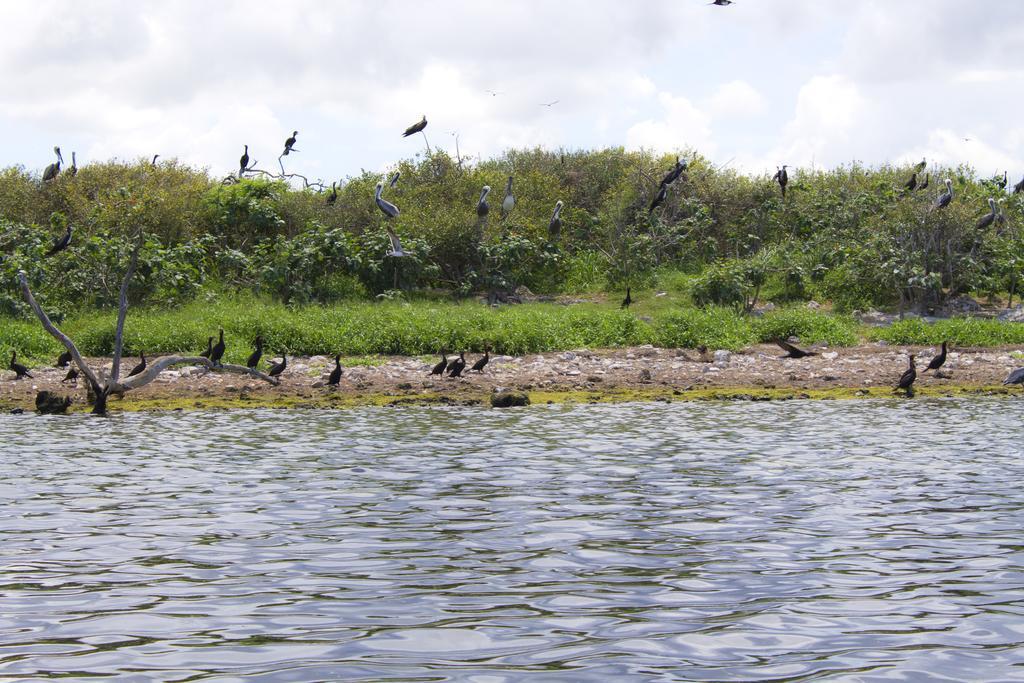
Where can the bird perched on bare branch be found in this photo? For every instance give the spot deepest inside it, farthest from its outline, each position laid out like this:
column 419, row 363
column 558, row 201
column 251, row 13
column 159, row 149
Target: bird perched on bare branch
column 289, row 144
column 243, row 162
column 416, row 127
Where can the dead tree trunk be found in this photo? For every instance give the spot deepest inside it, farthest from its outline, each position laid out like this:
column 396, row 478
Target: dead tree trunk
column 104, row 384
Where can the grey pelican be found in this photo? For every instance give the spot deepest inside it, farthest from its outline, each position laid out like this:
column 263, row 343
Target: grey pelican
column 988, row 218
column 389, row 209
column 482, row 207
column 61, row 243
column 51, row 171
column 555, row 225
column 509, row 202
column 394, row 179
column 73, row 168
column 289, row 144
column 416, row 127
column 943, row 200
column 396, row 245
column 243, row 162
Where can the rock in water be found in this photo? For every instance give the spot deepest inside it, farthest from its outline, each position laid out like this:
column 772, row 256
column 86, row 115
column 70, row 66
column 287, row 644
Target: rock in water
column 509, row 399
column 48, row 403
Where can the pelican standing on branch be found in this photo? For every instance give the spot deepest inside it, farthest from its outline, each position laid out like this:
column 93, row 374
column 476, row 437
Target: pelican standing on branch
column 51, row 171
column 482, row 207
column 555, row 224
column 396, row 245
column 509, row 202
column 943, row 200
column 389, row 209
column 988, row 218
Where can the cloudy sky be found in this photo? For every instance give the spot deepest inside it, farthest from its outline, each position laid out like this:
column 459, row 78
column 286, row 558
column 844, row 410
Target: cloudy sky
column 752, row 85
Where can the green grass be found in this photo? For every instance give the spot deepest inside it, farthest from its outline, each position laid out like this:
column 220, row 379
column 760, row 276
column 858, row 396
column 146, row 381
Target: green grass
column 364, row 332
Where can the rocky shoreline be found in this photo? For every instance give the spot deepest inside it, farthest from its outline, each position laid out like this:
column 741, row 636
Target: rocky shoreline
column 638, row 373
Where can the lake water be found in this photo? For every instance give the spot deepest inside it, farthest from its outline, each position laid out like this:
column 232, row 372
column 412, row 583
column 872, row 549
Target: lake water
column 859, row 541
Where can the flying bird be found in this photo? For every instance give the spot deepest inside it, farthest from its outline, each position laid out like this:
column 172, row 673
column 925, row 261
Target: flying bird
column 61, row 243
column 555, row 224
column 792, row 351
column 782, row 178
column 721, row 3
column 335, row 377
column 416, row 127
column 389, row 209
column 943, row 200
column 396, row 245
column 509, row 202
column 243, row 162
column 482, row 207
column 138, row 369
column 289, row 144
column 51, row 171
column 494, row 93
column 988, row 218
column 549, row 104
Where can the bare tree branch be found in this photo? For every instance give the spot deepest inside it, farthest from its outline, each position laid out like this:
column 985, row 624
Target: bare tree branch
column 122, row 311
column 159, row 365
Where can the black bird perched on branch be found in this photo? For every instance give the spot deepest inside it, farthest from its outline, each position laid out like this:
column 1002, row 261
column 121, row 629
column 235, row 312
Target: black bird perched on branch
column 20, row 371
column 673, row 175
column 555, row 224
column 254, row 357
column 482, row 207
column 988, row 218
column 335, row 377
column 628, row 300
column 51, row 171
column 73, row 168
column 509, row 202
column 63, row 360
column 1019, row 187
column 289, row 144
column 333, row 196
column 441, row 365
column 924, row 185
column 155, row 157
column 140, row 367
column 906, row 382
column 61, row 243
column 482, row 362
column 416, row 127
column 209, row 348
column 389, row 209
column 943, row 200
column 277, row 368
column 243, row 162
column 938, row 360
column 1015, row 377
column 457, row 366
column 912, row 183
column 218, row 350
column 782, row 178
column 658, row 198
column 792, row 351
column 1002, row 183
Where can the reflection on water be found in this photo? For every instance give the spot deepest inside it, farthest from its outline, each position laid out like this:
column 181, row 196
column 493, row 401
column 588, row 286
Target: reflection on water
column 786, row 541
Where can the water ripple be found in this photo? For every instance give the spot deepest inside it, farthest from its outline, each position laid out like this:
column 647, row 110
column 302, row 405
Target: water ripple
column 866, row 541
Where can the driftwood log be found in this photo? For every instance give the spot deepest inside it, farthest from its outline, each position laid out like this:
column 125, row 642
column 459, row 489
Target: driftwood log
column 103, row 384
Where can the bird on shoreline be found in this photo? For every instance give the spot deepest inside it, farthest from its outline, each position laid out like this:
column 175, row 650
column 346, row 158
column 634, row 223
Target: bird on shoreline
column 277, row 368
column 243, row 162
column 1015, row 377
column 793, row 351
column 628, row 300
column 938, row 360
column 209, row 348
column 389, row 209
column 906, row 382
column 289, row 144
column 254, row 357
column 63, row 360
column 416, row 127
column 20, row 371
column 555, row 224
column 335, row 377
column 138, row 369
column 441, row 365
column 218, row 350
column 482, row 362
column 61, row 243
column 51, row 171
column 457, row 366
column 72, row 375
column 943, row 200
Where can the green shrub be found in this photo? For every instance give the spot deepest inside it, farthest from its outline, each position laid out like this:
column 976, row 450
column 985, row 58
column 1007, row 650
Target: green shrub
column 808, row 325
column 716, row 328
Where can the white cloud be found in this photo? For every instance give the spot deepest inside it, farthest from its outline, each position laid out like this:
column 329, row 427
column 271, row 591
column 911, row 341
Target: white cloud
column 682, row 125
column 736, row 99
